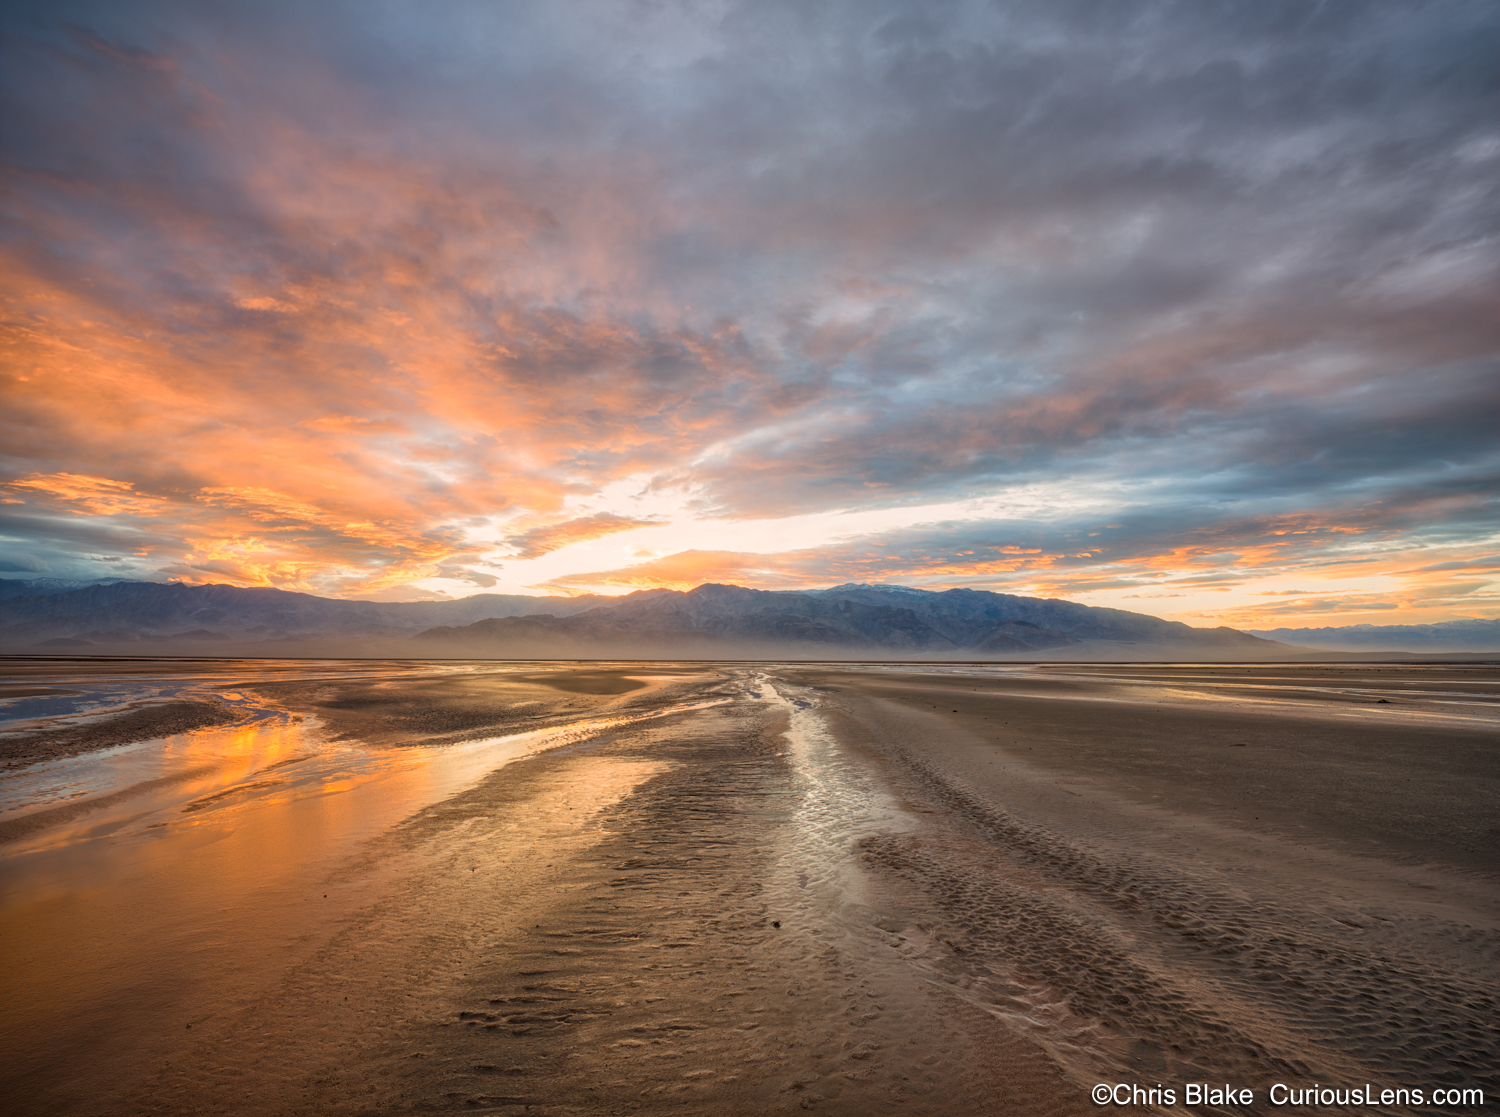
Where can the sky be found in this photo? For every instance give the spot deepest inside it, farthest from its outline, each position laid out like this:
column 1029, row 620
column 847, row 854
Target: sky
column 1188, row 308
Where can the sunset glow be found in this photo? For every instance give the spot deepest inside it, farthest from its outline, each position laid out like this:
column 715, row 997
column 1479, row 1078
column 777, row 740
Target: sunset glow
column 1138, row 305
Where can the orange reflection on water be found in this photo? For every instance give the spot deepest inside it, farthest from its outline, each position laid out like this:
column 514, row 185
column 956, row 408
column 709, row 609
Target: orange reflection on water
column 185, row 892
column 193, row 872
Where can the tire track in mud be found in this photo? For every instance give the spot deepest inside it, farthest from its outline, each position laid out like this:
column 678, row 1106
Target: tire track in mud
column 1183, row 978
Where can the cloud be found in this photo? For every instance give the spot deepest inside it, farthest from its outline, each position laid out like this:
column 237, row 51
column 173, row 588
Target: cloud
column 99, row 496
column 686, row 569
column 247, row 535
column 1487, row 562
column 307, row 299
column 538, row 541
column 463, row 574
column 1185, row 549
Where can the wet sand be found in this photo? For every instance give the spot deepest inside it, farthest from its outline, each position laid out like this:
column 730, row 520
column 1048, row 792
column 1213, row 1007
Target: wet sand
column 1247, row 875
column 1399, row 761
column 126, row 727
column 44, row 722
column 726, row 889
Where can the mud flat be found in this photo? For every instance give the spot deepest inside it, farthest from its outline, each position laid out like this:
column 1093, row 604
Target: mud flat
column 743, row 889
column 1247, row 875
column 661, row 908
column 126, row 727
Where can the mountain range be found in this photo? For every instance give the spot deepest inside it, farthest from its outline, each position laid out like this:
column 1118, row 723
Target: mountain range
column 1473, row 634
column 890, row 619
column 44, row 587
column 711, row 620
column 131, row 612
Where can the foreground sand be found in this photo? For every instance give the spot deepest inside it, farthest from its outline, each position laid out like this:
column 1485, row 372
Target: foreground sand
column 732, row 889
column 1244, row 875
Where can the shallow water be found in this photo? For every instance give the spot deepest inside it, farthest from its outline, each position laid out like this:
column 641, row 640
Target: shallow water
column 168, row 882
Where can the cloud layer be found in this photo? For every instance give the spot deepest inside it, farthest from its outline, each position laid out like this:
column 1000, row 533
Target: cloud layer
column 1078, row 299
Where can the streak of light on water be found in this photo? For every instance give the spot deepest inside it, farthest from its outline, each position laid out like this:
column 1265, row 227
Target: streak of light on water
column 839, row 803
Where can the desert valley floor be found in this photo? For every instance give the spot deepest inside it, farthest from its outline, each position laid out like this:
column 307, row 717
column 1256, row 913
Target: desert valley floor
column 360, row 887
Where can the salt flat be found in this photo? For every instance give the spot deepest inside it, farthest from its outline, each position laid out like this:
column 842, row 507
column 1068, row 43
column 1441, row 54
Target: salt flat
column 604, row 888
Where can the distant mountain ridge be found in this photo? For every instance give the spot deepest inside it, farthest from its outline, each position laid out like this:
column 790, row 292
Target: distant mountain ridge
column 125, row 612
column 887, row 618
column 43, row 587
column 1469, row 635
column 711, row 619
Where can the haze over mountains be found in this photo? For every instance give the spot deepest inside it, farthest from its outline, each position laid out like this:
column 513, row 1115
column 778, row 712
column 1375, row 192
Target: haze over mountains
column 709, row 620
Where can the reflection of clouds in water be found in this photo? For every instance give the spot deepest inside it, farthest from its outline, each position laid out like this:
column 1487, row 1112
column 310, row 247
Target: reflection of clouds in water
column 22, row 709
column 88, row 702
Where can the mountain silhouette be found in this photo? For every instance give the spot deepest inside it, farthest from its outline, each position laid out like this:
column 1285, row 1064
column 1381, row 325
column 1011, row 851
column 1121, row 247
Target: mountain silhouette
column 885, row 618
column 710, row 620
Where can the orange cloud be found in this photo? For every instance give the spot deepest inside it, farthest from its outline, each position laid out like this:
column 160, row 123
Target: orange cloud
column 397, row 369
column 98, row 496
column 539, row 541
column 252, row 536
